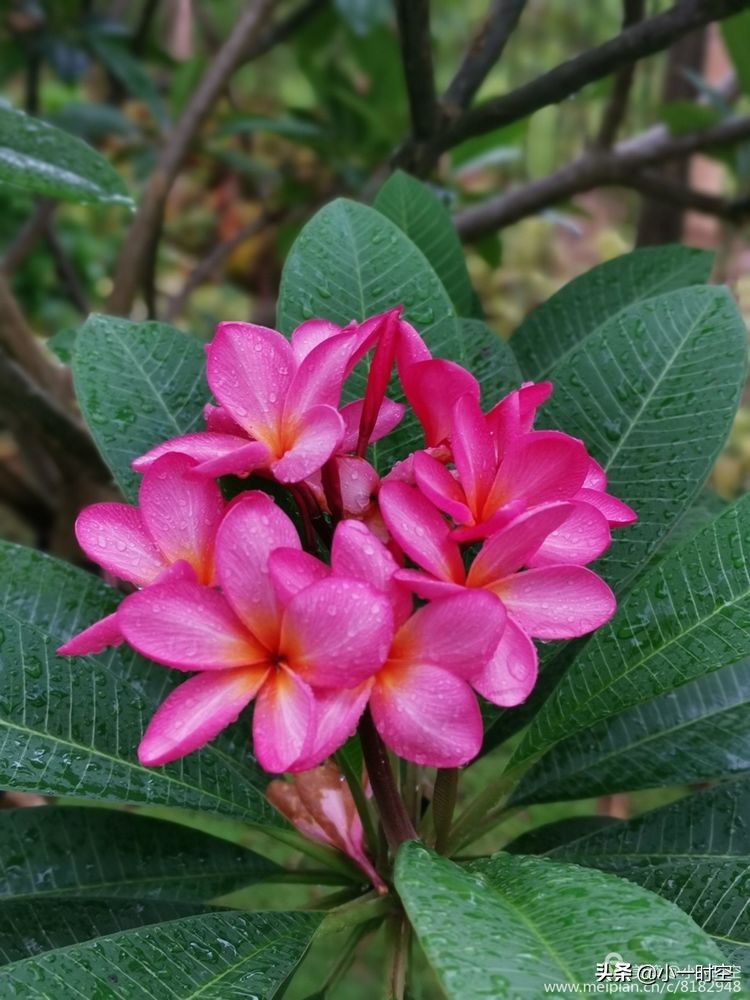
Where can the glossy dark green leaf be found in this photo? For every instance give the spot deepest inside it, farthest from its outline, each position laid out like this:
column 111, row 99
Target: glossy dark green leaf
column 695, row 852
column 699, row 732
column 72, row 726
column 62, row 852
column 653, row 394
column 137, row 384
column 506, row 926
column 350, row 262
column 28, row 928
column 425, row 220
column 689, row 616
column 41, row 158
column 543, row 839
column 577, row 311
column 213, row 955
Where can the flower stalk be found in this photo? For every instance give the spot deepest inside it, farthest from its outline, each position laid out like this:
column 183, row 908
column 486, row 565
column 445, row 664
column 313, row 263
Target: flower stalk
column 397, row 826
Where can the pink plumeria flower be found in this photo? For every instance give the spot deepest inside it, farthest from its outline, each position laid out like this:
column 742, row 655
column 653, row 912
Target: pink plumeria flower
column 319, row 804
column 277, row 400
column 169, row 535
column 259, row 638
column 543, row 602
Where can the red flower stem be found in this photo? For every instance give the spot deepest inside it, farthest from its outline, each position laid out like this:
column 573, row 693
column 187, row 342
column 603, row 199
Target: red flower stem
column 331, row 481
column 304, row 512
column 443, row 805
column 396, row 823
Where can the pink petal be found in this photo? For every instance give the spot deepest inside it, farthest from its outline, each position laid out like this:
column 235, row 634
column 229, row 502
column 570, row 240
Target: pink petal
column 541, row 467
column 189, row 627
column 211, row 450
column 411, row 349
column 95, row 638
column 358, row 554
column 196, row 712
column 181, row 512
column 432, row 388
column 426, row 715
column 596, row 477
column 581, row 538
column 114, row 536
column 283, row 721
column 336, row 633
column 515, row 413
column 249, row 533
column 510, row 675
column 428, row 587
column 291, row 570
column 473, row 451
column 337, row 714
column 516, row 544
column 358, row 484
column 421, row 531
column 220, row 421
column 617, row 513
column 309, row 334
column 379, row 374
column 320, row 376
column 557, row 602
column 458, row 633
column 389, row 417
column 250, row 369
column 440, row 487
column 318, row 434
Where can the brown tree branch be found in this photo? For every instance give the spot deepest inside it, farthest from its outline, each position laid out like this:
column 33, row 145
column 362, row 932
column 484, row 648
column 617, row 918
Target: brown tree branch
column 639, row 40
column 484, row 51
column 134, row 255
column 614, row 112
column 34, row 228
column 416, row 56
column 596, row 168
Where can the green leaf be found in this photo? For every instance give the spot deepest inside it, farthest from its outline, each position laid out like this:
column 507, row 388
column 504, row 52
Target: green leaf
column 212, row 955
column 363, row 15
column 653, row 394
column 41, row 158
column 689, row 616
column 687, row 116
column 71, row 726
column 30, row 928
column 577, row 311
column 735, row 33
column 350, row 262
column 542, row 839
column 507, row 926
column 137, row 384
column 130, row 72
column 695, row 852
column 62, row 852
column 699, row 732
column 425, row 220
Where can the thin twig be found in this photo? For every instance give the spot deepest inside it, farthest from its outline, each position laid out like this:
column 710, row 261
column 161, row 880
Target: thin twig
column 416, row 56
column 639, row 40
column 614, row 112
column 618, row 166
column 65, row 271
column 134, row 255
column 31, row 231
column 484, row 51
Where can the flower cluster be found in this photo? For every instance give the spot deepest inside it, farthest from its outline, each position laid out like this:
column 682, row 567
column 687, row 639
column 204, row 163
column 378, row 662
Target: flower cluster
column 313, row 617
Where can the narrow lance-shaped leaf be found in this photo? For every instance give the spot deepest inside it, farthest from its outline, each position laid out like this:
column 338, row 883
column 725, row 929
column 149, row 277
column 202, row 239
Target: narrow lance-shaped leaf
column 697, row 733
column 688, row 617
column 581, row 307
column 64, row 853
column 137, row 384
column 71, row 727
column 695, row 852
column 425, row 220
column 508, row 926
column 213, row 955
column 41, row 158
